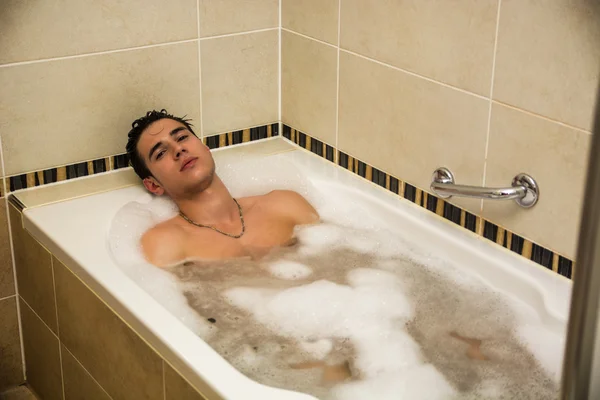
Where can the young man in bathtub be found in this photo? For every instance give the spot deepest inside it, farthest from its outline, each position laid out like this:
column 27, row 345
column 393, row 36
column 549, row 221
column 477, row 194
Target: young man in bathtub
column 172, row 161
column 169, row 158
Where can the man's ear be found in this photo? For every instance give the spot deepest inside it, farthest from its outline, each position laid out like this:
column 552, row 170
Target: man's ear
column 153, row 186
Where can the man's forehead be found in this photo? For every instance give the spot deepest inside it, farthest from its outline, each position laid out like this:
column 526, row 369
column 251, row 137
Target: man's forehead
column 150, row 138
column 156, row 127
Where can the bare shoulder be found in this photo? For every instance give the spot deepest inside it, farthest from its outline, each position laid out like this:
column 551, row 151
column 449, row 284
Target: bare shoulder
column 162, row 244
column 294, row 205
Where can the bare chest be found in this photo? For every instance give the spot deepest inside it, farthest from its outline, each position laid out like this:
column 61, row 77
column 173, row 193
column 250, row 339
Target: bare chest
column 263, row 232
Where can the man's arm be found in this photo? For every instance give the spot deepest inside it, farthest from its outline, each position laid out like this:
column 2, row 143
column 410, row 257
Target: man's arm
column 162, row 245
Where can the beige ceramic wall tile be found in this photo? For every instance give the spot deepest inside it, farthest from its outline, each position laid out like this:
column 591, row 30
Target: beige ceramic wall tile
column 450, row 41
column 7, row 280
column 408, row 126
column 42, row 358
column 239, row 81
column 315, row 18
column 108, row 349
column 11, row 365
column 79, row 385
column 176, row 388
column 309, row 86
column 547, row 58
column 66, row 111
column 34, row 271
column 554, row 155
column 46, row 29
column 218, row 17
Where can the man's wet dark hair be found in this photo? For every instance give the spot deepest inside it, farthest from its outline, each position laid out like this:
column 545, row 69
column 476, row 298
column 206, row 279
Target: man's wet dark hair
column 137, row 127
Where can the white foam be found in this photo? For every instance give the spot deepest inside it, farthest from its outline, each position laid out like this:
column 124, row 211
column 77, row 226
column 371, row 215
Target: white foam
column 314, row 239
column 370, row 312
column 538, row 340
column 383, row 349
column 421, row 382
column 317, row 349
column 289, row 270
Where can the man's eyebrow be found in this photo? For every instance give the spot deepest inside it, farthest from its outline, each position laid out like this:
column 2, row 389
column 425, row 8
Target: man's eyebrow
column 153, row 149
column 177, row 130
column 157, row 145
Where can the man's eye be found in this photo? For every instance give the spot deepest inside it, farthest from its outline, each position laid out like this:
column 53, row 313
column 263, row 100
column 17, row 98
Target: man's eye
column 160, row 154
column 182, row 137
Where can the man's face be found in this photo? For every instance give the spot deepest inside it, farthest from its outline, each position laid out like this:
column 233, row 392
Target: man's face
column 181, row 165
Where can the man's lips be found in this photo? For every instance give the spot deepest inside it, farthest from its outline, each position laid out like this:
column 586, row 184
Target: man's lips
column 189, row 163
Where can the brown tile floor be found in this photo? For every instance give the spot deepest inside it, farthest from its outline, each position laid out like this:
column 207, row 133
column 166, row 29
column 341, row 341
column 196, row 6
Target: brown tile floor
column 18, row 393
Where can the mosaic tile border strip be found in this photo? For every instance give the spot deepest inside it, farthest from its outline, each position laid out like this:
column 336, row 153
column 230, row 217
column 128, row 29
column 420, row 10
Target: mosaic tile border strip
column 71, row 171
column 242, row 136
column 482, row 227
column 111, row 163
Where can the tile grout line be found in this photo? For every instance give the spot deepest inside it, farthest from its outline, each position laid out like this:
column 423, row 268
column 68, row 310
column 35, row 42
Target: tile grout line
column 12, row 257
column 199, row 69
column 163, row 379
column 308, row 37
column 134, row 48
column 489, row 124
column 40, row 318
column 337, row 89
column 390, row 66
column 414, row 74
column 96, row 53
column 280, row 111
column 533, row 114
column 239, row 33
column 279, row 67
column 60, row 360
column 88, row 372
column 62, row 374
column 54, row 292
column 8, row 297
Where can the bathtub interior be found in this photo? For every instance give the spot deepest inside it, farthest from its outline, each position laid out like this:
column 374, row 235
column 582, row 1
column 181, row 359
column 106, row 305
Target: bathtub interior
column 77, row 240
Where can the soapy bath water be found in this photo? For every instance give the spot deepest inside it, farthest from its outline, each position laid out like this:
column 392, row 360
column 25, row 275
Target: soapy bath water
column 353, row 310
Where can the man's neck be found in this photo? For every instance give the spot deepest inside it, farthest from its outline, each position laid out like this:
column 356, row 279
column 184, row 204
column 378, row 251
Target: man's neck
column 212, row 206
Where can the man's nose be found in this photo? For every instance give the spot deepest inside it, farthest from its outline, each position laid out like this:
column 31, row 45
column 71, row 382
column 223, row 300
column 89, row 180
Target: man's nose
column 179, row 150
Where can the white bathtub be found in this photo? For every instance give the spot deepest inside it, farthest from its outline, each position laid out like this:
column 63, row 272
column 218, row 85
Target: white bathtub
column 75, row 231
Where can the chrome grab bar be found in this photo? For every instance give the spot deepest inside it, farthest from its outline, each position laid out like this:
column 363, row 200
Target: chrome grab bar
column 524, row 189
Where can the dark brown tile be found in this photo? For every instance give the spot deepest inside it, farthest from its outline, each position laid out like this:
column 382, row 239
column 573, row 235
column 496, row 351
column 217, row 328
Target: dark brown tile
column 177, row 388
column 11, row 364
column 42, row 358
column 34, row 271
column 79, row 384
column 108, row 349
column 7, row 280
column 18, row 393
